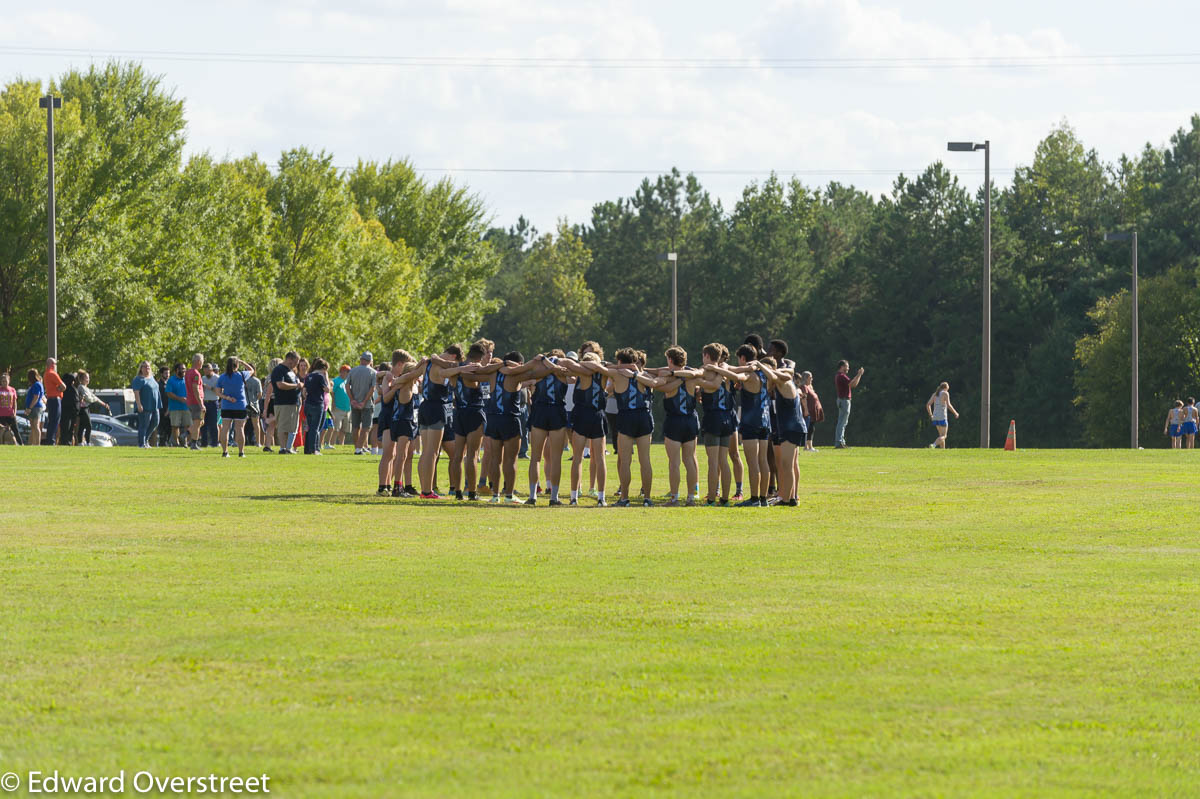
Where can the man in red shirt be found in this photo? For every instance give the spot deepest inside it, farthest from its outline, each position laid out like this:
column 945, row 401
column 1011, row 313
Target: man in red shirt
column 845, row 385
column 54, row 391
column 194, row 384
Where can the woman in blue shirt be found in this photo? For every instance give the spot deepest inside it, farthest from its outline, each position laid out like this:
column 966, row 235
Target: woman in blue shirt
column 35, row 403
column 231, row 388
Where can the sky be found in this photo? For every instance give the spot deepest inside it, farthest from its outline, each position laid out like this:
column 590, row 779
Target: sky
column 547, row 107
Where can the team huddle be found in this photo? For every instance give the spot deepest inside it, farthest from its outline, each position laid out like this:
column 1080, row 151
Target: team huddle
column 457, row 403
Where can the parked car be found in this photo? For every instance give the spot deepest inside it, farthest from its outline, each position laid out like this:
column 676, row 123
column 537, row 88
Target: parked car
column 99, row 439
column 122, row 434
column 127, row 419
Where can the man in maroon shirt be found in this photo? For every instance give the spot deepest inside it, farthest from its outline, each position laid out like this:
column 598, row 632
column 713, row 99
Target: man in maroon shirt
column 845, row 386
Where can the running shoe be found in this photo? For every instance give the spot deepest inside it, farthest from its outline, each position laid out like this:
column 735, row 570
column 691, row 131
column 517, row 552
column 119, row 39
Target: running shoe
column 749, row 503
column 711, row 503
column 554, row 503
column 265, row 449
column 724, row 502
column 574, row 502
column 531, row 501
column 224, row 454
column 382, row 491
column 241, row 454
column 515, row 500
column 458, row 495
column 671, row 503
column 621, row 503
column 411, row 490
column 692, row 502
column 601, row 504
column 763, row 503
column 646, row 503
column 396, row 492
column 737, row 497
column 430, row 495
column 495, row 500
column 472, row 496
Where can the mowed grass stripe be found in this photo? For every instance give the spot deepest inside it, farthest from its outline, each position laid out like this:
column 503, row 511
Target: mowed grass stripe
column 927, row 623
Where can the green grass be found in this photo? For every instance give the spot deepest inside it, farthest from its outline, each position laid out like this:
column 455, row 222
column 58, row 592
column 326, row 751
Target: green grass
column 926, row 624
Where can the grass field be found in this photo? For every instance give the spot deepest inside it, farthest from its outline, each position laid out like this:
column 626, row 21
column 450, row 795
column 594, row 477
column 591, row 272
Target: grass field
column 925, row 624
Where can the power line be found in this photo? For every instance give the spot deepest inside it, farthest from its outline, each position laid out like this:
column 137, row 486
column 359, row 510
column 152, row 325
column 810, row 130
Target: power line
column 633, row 63
column 727, row 172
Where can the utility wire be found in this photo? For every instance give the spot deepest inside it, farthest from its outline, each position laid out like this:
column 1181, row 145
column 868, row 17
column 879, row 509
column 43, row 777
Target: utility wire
column 632, row 63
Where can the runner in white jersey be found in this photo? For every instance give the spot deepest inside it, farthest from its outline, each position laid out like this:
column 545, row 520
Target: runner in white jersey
column 937, row 407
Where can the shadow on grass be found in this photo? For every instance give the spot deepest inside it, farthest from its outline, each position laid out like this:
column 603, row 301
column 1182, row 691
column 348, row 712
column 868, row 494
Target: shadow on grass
column 483, row 503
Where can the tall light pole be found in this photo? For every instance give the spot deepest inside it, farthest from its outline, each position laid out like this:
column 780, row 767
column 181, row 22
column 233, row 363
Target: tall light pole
column 985, row 410
column 1133, row 425
column 50, row 102
column 674, row 259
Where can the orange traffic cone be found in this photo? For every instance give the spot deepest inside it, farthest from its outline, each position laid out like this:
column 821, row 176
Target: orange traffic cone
column 1010, row 444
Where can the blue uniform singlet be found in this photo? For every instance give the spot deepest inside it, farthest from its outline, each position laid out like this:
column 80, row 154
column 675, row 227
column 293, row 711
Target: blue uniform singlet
column 633, row 412
column 548, row 411
column 681, row 423
column 587, row 417
column 756, row 415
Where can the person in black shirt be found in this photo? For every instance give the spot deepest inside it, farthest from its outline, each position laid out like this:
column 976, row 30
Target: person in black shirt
column 316, row 387
column 285, row 393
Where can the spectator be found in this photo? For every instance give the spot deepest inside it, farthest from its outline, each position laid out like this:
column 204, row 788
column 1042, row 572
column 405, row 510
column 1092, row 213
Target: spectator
column 164, row 417
column 53, row 386
column 342, row 430
column 285, row 390
column 145, row 396
column 360, row 388
column 195, row 399
column 268, row 406
column 180, row 418
column 8, row 407
column 301, row 374
column 254, row 391
column 813, row 412
column 87, row 397
column 231, row 391
column 212, row 406
column 845, row 386
column 68, row 410
column 35, row 403
column 316, row 387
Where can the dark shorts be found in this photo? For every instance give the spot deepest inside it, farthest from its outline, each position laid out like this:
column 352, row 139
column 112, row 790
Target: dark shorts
column 719, row 423
column 400, row 429
column 635, row 424
column 467, row 421
column 502, row 427
column 681, row 428
column 547, row 417
column 234, row 414
column 434, row 413
column 714, row 440
column 749, row 432
column 796, row 437
column 590, row 426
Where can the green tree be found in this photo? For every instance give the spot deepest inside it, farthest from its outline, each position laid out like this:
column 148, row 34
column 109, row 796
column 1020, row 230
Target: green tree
column 1169, row 357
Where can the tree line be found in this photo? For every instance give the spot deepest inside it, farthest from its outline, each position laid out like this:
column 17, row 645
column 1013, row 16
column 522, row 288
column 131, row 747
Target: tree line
column 161, row 256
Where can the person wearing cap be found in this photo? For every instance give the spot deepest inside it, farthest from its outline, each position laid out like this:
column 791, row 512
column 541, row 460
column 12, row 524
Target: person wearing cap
column 360, row 387
column 54, row 386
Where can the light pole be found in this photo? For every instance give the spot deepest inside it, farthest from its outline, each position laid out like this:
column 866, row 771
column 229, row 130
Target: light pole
column 674, row 259
column 50, row 102
column 1133, row 426
column 985, row 411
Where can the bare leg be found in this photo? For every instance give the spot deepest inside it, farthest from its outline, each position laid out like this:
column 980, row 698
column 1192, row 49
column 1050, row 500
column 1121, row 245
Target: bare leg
column 224, row 435
column 385, row 460
column 673, row 451
column 508, row 456
column 643, row 446
column 554, row 451
column 537, row 444
column 624, row 458
column 691, row 467
column 431, row 442
column 735, row 457
column 752, row 464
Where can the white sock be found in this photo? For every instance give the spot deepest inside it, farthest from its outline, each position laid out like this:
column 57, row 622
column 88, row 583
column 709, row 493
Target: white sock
column 554, row 493
column 600, row 496
column 574, row 496
column 533, row 489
